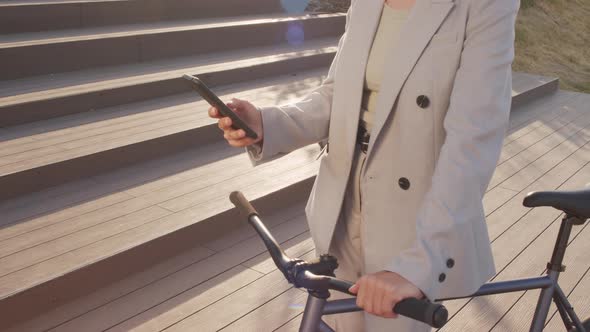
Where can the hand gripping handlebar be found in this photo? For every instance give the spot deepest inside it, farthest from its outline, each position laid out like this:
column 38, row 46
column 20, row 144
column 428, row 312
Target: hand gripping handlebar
column 303, row 275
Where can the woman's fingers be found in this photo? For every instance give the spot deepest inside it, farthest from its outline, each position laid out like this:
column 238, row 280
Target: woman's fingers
column 240, row 143
column 234, row 134
column 224, row 123
column 228, row 131
column 214, row 113
column 237, row 137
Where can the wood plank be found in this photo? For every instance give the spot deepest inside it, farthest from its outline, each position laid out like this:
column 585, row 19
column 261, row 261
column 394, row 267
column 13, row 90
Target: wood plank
column 292, row 325
column 129, row 116
column 63, row 207
column 542, row 131
column 238, row 304
column 49, row 128
column 483, row 313
column 16, row 163
column 41, row 133
column 77, row 126
column 245, row 231
column 537, row 113
column 85, row 81
column 139, row 307
column 91, row 119
column 517, row 179
column 579, row 299
column 561, row 139
column 66, row 84
column 514, row 218
column 117, row 136
column 185, row 201
column 100, row 216
column 183, row 179
column 533, row 171
column 112, row 292
column 22, row 244
column 138, row 29
column 82, row 14
column 197, row 297
column 548, row 161
column 577, row 262
column 205, row 185
column 271, row 315
column 127, row 126
column 69, row 243
column 5, row 160
column 528, row 241
column 14, row 265
column 261, row 175
column 297, row 246
column 162, row 270
column 101, row 180
column 178, row 197
column 19, row 211
column 513, row 210
column 496, row 198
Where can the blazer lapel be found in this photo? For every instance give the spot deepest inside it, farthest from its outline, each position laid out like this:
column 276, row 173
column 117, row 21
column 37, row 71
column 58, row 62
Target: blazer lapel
column 424, row 20
column 349, row 85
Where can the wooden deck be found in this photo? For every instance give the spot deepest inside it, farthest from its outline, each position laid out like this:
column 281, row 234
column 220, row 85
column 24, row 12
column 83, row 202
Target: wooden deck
column 230, row 284
column 114, row 212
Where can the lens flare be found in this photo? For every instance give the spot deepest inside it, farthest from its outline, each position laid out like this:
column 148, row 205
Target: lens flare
column 296, row 306
column 295, row 34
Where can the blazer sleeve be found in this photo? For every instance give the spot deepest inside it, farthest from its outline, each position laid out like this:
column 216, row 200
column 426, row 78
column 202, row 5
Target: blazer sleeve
column 475, row 125
column 295, row 125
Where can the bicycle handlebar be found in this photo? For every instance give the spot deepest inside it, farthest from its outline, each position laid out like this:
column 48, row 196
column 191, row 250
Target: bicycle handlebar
column 296, row 271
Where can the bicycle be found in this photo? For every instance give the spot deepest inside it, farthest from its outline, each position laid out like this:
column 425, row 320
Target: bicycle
column 317, row 277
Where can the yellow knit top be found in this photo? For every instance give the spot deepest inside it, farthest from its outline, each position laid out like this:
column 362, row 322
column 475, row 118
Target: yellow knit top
column 386, row 38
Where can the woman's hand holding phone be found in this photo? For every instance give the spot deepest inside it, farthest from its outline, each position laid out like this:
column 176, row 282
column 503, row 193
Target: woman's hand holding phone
column 248, row 113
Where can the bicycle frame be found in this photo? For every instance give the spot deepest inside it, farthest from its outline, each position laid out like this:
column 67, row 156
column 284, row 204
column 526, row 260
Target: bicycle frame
column 317, row 305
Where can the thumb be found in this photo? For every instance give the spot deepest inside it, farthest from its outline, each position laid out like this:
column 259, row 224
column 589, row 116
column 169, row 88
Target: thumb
column 354, row 289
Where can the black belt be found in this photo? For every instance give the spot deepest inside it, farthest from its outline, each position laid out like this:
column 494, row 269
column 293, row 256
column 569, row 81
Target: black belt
column 362, row 138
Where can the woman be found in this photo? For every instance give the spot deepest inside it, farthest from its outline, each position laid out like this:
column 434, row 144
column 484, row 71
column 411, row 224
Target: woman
column 426, row 84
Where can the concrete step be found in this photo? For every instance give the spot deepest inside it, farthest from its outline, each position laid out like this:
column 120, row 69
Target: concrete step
column 35, row 15
column 33, row 54
column 47, row 153
column 38, row 98
column 528, row 87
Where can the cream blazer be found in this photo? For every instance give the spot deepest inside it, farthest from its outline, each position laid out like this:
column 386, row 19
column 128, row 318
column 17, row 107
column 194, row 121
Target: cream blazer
column 441, row 116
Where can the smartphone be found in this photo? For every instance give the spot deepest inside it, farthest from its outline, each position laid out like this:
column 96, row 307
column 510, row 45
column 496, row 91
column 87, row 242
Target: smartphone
column 214, row 101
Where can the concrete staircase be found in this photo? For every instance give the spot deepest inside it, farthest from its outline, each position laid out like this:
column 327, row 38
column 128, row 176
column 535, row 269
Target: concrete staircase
column 109, row 164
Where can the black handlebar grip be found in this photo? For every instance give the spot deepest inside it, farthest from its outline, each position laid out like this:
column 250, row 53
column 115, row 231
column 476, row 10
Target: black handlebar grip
column 238, row 199
column 433, row 314
column 341, row 285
